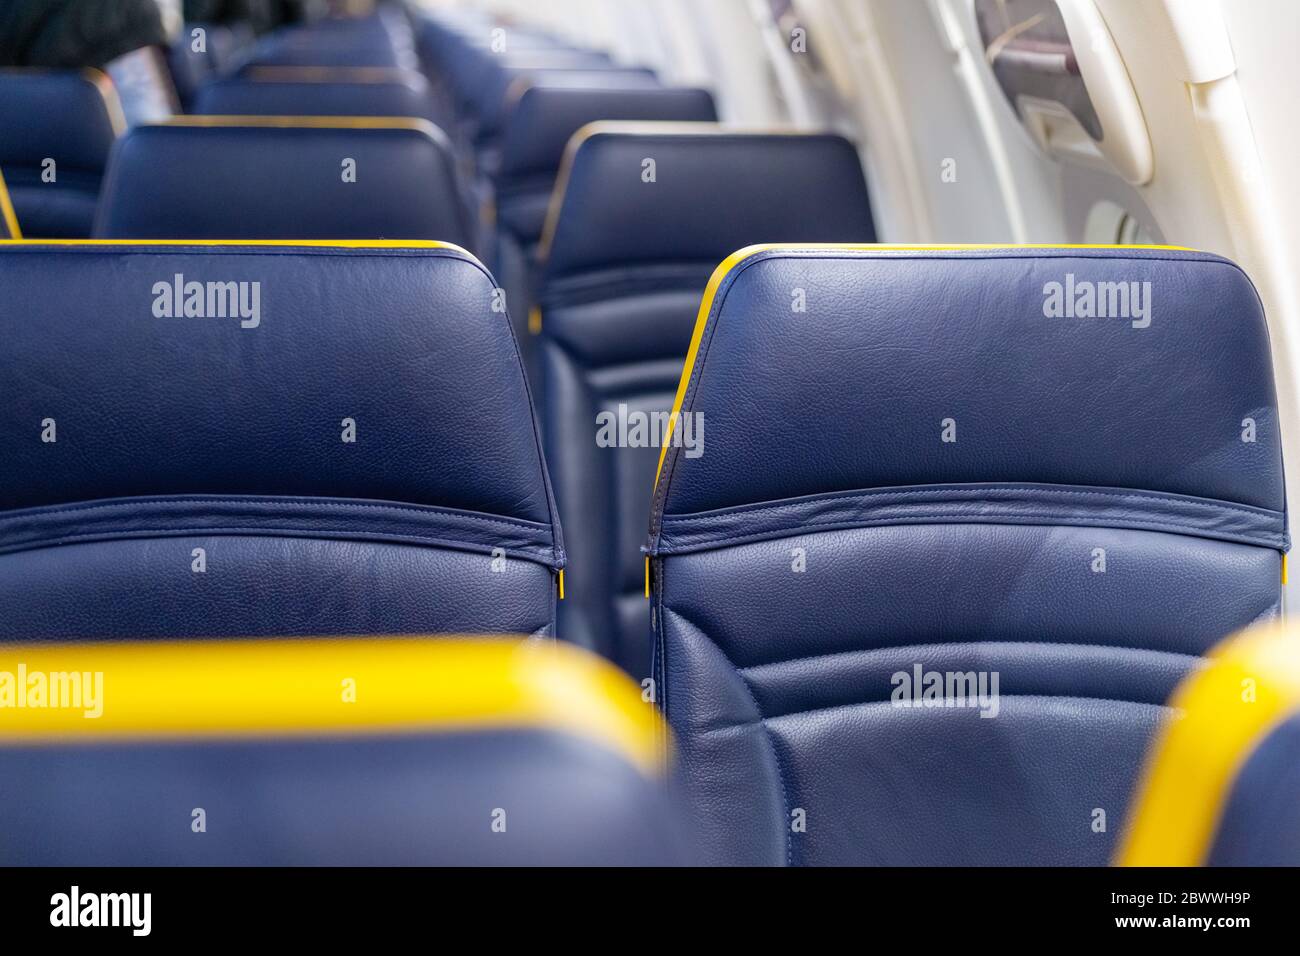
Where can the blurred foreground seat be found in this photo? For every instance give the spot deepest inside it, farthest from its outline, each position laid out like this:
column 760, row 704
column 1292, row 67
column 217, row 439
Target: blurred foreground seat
column 1222, row 783
column 383, row 752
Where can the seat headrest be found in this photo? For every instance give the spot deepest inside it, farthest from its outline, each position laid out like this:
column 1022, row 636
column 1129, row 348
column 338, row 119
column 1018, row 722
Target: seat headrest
column 494, row 96
column 551, row 110
column 846, row 377
column 70, row 116
column 362, row 370
column 632, row 193
column 312, row 92
column 283, row 178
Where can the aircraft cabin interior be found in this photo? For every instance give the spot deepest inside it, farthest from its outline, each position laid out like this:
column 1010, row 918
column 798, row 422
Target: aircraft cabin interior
column 744, row 433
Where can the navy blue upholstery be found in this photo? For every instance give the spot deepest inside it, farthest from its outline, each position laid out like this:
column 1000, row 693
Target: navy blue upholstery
column 283, row 182
column 543, row 119
column 1097, row 524
column 70, row 117
column 619, row 292
column 273, row 91
column 227, row 434
column 1261, row 821
column 505, row 776
column 422, row 800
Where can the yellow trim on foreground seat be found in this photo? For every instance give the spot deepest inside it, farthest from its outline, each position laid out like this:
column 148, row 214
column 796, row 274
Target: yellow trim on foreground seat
column 295, row 687
column 7, row 212
column 1251, row 685
column 736, row 258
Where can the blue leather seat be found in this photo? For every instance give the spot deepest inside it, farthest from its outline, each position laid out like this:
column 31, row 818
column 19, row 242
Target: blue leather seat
column 451, row 753
column 548, row 112
column 929, row 466
column 284, row 180
column 1222, row 783
column 623, row 270
column 381, row 40
column 348, row 449
column 311, row 91
column 70, row 117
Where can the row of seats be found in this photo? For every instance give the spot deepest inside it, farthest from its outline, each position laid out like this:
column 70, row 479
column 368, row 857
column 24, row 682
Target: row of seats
column 907, row 463
column 918, row 472
column 617, row 302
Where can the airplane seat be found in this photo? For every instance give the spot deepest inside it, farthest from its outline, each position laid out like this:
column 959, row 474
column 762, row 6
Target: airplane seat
column 338, row 42
column 284, row 178
column 1221, row 783
column 56, row 130
column 451, row 753
column 1261, row 821
column 245, row 439
column 316, row 91
column 547, row 114
column 624, row 263
column 952, row 542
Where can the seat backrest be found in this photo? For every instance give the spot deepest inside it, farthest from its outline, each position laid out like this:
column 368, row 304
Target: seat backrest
column 452, row 752
column 265, row 439
column 547, row 113
column 962, row 521
column 307, row 91
column 56, row 130
column 626, row 257
column 284, row 178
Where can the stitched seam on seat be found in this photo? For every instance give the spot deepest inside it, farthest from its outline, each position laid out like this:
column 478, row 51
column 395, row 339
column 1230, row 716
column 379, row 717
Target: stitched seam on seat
column 272, row 500
column 721, row 727
column 767, row 736
column 718, row 514
column 974, row 643
column 878, row 703
column 705, row 544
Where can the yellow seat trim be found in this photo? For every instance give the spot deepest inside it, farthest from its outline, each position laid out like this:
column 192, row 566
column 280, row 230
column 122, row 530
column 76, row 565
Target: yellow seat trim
column 7, row 211
column 1195, row 761
column 736, row 258
column 277, row 688
column 304, row 122
column 199, row 244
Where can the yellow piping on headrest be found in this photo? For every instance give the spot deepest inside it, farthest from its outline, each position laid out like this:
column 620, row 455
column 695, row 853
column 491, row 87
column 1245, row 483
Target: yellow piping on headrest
column 305, row 122
column 112, row 102
column 321, row 687
column 198, row 244
column 327, row 74
column 7, row 211
column 736, row 258
column 1252, row 685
